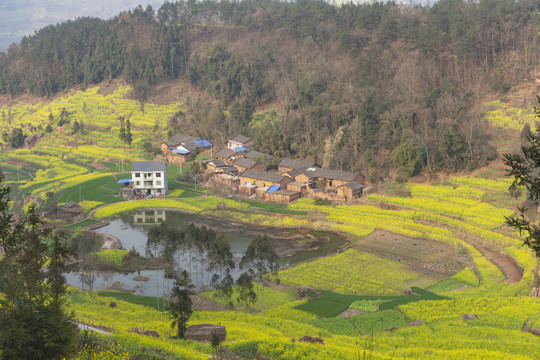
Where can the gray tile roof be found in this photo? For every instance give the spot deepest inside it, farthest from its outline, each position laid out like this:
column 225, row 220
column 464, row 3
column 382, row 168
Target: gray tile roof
column 229, row 169
column 264, row 176
column 255, row 155
column 226, row 153
column 218, row 163
column 181, row 139
column 242, row 139
column 286, row 192
column 354, row 185
column 294, row 183
column 296, row 164
column 331, row 174
column 246, row 163
column 148, row 166
column 295, row 172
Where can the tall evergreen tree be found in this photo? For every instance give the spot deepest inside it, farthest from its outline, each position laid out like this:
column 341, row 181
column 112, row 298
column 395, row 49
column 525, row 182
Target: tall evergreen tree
column 33, row 315
column 180, row 306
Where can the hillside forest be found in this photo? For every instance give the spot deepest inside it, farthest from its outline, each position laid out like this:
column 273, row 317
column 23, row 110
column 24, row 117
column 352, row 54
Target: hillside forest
column 381, row 88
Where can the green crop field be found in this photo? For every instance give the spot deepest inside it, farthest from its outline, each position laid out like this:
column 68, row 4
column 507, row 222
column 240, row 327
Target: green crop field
column 468, row 212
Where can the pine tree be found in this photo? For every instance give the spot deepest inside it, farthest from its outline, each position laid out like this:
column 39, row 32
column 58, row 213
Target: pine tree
column 32, row 309
column 122, row 131
column 525, row 170
column 129, row 135
column 180, row 306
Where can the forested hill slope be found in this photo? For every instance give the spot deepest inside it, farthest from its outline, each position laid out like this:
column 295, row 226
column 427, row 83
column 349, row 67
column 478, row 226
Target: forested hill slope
column 363, row 87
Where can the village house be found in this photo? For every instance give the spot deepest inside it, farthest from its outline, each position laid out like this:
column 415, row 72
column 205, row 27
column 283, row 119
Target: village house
column 333, row 179
column 263, row 179
column 214, row 166
column 149, row 178
column 229, row 180
column 228, row 155
column 240, row 143
column 181, row 148
column 259, row 157
column 351, row 190
column 282, row 195
column 292, row 164
column 244, row 164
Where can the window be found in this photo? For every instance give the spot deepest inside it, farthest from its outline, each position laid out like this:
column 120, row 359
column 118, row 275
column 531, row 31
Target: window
column 330, row 183
column 158, row 175
column 137, row 183
column 158, row 183
column 137, row 175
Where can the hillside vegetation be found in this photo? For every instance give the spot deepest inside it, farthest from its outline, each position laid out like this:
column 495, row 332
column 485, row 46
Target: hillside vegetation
column 366, row 87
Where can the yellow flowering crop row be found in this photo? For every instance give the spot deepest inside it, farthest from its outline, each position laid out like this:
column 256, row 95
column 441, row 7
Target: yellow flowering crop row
column 88, row 205
column 440, row 192
column 495, row 186
column 263, row 219
column 350, row 272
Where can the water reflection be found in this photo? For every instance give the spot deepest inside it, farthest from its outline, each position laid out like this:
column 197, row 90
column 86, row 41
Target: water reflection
column 131, row 230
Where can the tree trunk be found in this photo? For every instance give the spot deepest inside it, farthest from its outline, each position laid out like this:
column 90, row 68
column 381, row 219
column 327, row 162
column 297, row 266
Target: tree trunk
column 535, row 292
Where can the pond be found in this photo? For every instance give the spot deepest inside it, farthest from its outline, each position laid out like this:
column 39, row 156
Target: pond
column 291, row 245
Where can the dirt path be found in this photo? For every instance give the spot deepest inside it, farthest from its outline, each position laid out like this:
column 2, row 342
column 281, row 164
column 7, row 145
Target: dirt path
column 508, row 265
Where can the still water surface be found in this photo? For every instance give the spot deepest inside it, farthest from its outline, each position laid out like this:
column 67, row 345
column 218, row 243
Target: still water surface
column 293, row 245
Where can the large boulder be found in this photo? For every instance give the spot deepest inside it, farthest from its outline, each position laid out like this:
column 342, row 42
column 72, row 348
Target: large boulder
column 204, row 332
column 409, row 291
column 304, row 290
column 469, row 316
column 310, row 339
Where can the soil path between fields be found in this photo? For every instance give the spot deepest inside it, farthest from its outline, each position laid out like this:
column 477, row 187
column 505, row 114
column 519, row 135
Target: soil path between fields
column 508, row 265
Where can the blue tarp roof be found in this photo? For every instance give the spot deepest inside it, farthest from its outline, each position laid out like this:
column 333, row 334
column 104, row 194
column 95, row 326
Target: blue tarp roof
column 124, row 181
column 273, row 189
column 240, row 148
column 203, row 143
column 183, row 152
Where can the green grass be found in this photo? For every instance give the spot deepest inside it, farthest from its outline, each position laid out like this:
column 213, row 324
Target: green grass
column 104, row 189
column 401, row 300
column 275, row 208
column 446, row 285
column 151, row 301
column 272, row 298
column 80, row 225
column 378, row 321
column 331, row 304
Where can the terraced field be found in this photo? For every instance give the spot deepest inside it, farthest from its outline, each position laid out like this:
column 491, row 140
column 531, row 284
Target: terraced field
column 456, row 228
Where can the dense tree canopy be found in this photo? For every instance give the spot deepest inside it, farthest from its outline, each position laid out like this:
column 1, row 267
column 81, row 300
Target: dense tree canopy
column 392, row 77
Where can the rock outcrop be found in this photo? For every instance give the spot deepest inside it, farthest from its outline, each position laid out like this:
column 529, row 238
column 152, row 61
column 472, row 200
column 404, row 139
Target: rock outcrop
column 204, row 332
column 313, row 340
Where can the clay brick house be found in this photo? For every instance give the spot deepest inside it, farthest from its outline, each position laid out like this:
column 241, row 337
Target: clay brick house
column 351, row 190
column 229, row 180
column 215, row 165
column 263, row 179
column 240, row 142
column 333, row 179
column 258, row 156
column 228, row 155
column 182, row 148
column 244, row 164
column 275, row 193
column 299, row 187
column 291, row 164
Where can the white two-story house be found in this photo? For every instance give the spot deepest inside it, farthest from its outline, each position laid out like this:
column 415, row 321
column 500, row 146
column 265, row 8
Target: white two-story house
column 149, row 178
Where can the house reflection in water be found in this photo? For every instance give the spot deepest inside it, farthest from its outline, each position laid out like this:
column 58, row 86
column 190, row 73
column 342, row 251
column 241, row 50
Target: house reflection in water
column 149, row 217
